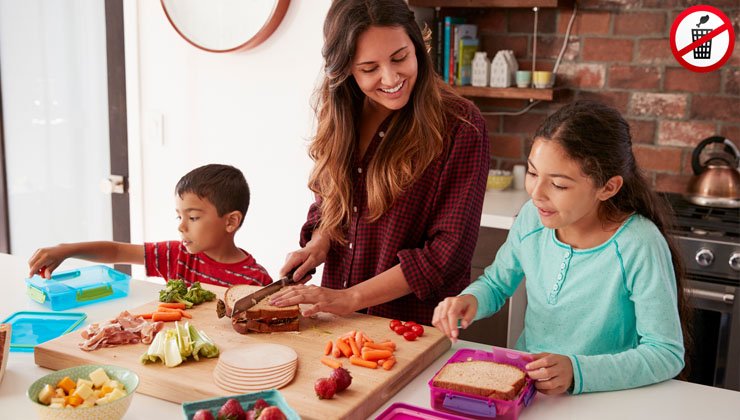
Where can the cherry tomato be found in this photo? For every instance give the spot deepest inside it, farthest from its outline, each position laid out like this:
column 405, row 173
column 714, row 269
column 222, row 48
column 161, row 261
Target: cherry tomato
column 394, row 323
column 401, row 329
column 410, row 323
column 409, row 335
column 417, row 329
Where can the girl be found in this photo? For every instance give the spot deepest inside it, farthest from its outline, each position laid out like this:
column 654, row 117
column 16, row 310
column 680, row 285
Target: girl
column 400, row 172
column 603, row 294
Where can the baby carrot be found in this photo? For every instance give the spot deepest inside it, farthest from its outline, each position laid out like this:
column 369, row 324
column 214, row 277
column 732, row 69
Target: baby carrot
column 331, row 362
column 166, row 309
column 376, row 346
column 145, row 316
column 353, row 347
column 358, row 339
column 336, row 352
column 172, row 305
column 328, row 348
column 185, row 314
column 344, row 348
column 166, row 316
column 388, row 364
column 372, row 355
column 348, row 334
column 358, row 361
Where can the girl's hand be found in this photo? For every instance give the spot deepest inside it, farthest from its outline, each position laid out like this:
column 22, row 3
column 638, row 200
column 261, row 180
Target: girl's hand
column 45, row 260
column 323, row 299
column 553, row 373
column 453, row 309
column 306, row 258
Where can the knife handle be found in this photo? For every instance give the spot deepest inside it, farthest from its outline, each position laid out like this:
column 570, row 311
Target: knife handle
column 288, row 278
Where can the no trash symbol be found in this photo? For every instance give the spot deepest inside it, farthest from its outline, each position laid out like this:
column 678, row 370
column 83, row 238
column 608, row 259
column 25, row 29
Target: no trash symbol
column 702, row 38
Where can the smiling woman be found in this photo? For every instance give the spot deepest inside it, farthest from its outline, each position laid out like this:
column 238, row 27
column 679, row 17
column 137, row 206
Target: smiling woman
column 225, row 25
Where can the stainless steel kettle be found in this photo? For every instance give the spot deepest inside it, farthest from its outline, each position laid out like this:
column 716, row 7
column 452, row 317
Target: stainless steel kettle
column 716, row 181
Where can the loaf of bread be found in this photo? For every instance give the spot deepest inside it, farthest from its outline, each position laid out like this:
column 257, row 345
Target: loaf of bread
column 4, row 348
column 482, row 378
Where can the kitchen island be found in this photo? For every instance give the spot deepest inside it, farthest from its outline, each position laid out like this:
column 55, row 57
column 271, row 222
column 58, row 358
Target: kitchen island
column 671, row 399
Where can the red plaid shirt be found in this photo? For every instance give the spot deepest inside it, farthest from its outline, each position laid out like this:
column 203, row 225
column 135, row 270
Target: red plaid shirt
column 431, row 229
column 171, row 260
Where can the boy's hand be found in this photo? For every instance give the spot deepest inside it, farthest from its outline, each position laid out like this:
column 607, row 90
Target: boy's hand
column 553, row 373
column 453, row 309
column 45, row 260
column 306, row 258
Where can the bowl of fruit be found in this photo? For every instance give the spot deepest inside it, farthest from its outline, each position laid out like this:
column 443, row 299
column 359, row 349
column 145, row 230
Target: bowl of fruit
column 87, row 391
column 262, row 405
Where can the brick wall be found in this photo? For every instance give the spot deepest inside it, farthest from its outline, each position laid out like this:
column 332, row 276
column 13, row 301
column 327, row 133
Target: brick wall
column 619, row 53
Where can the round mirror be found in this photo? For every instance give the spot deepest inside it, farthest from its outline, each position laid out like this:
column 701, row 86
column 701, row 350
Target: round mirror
column 225, row 25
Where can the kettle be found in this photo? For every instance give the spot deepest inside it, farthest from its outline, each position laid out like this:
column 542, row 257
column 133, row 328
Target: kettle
column 716, row 182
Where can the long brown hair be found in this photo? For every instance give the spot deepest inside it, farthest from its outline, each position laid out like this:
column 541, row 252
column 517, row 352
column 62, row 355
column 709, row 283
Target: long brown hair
column 597, row 137
column 416, row 134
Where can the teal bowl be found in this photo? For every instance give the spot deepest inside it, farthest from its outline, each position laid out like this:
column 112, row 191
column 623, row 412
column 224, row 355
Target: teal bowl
column 110, row 411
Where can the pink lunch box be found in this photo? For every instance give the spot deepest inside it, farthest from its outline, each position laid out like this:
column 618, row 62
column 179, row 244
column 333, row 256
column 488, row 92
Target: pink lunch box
column 475, row 406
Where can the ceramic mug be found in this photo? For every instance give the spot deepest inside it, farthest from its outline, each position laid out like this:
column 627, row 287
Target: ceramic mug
column 542, row 79
column 523, row 78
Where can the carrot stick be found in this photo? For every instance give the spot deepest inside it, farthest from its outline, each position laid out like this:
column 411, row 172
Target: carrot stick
column 377, row 346
column 185, row 314
column 166, row 309
column 344, row 348
column 166, row 316
column 358, row 361
column 388, row 364
column 172, row 305
column 348, row 334
column 366, row 338
column 388, row 343
column 358, row 339
column 328, row 348
column 145, row 316
column 336, row 352
column 353, row 347
column 331, row 362
column 372, row 355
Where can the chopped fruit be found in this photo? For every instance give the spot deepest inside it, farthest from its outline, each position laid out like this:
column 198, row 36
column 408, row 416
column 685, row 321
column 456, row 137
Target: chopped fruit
column 325, row 388
column 342, row 377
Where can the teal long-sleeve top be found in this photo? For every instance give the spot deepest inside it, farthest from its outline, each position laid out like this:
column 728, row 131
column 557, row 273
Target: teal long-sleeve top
column 611, row 309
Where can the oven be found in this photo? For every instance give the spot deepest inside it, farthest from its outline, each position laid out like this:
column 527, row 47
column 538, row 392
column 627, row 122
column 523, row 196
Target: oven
column 708, row 239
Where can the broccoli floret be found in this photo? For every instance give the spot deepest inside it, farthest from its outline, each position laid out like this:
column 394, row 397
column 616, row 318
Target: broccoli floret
column 198, row 295
column 174, row 292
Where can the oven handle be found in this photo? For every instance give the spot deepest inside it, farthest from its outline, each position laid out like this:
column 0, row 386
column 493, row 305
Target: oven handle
column 709, row 295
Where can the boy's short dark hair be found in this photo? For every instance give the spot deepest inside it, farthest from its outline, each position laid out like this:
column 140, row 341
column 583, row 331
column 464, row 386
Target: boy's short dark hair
column 223, row 185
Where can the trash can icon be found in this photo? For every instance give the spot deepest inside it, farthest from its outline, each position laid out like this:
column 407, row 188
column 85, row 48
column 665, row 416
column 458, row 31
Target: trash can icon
column 703, row 51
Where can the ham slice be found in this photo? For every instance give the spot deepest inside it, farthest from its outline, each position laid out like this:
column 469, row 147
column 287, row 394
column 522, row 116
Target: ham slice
column 125, row 329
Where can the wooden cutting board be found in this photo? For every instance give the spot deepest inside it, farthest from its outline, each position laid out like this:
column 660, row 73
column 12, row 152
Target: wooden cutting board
column 194, row 381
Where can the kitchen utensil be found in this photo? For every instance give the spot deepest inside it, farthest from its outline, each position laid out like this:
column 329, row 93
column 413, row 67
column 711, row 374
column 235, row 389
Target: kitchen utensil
column 83, row 286
column 32, row 328
column 111, row 411
column 248, row 301
column 272, row 397
column 716, row 181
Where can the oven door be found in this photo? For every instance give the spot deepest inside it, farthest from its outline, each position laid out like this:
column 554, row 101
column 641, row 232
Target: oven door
column 715, row 357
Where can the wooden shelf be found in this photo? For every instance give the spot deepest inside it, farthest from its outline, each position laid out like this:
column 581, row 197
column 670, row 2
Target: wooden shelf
column 507, row 93
column 483, row 3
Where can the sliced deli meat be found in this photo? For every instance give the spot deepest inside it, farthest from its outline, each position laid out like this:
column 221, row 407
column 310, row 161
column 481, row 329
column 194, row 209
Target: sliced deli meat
column 125, row 329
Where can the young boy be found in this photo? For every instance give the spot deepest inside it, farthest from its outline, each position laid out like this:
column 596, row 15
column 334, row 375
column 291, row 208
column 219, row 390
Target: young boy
column 210, row 202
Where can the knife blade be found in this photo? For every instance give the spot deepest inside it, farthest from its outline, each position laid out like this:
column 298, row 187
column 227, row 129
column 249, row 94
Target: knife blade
column 250, row 300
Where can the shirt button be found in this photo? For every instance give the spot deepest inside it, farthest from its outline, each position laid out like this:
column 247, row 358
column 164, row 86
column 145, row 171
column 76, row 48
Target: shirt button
column 560, row 276
column 555, row 288
column 381, row 134
column 350, row 245
column 562, row 265
column 567, row 254
column 355, row 210
column 359, row 170
column 345, row 284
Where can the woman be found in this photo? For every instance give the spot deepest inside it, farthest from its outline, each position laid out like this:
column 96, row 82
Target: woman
column 400, row 171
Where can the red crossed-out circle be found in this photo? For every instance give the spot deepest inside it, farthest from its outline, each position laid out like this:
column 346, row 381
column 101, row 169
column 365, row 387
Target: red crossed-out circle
column 726, row 26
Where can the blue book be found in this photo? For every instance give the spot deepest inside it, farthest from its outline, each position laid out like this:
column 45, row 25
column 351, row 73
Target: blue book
column 450, row 21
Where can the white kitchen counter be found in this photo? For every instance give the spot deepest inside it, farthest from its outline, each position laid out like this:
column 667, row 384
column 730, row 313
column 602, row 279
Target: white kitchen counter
column 500, row 208
column 671, row 399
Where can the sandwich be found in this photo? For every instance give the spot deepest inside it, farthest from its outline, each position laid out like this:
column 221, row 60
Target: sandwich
column 486, row 379
column 262, row 317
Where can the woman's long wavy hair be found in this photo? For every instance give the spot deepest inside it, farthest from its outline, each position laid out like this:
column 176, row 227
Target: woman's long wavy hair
column 416, row 134
column 597, row 137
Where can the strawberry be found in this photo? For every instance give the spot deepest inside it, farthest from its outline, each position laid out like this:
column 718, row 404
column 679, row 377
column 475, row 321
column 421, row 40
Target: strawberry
column 342, row 377
column 203, row 415
column 325, row 388
column 231, row 410
column 260, row 404
column 271, row 413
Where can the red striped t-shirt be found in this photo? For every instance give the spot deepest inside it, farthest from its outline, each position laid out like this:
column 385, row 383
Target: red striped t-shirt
column 171, row 260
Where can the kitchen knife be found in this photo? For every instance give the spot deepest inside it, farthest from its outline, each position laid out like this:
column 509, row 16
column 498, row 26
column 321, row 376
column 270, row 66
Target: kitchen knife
column 250, row 300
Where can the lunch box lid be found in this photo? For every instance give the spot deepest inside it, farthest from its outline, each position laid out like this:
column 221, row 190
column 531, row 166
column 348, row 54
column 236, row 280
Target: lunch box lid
column 32, row 328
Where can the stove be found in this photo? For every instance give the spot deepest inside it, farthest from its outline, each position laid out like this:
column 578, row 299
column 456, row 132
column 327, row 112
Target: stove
column 708, row 239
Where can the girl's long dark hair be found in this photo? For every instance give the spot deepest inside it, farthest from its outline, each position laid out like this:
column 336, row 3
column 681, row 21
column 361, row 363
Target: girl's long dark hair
column 597, row 137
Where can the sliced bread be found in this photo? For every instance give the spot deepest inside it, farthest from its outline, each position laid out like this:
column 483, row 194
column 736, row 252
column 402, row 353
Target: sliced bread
column 483, row 378
column 262, row 309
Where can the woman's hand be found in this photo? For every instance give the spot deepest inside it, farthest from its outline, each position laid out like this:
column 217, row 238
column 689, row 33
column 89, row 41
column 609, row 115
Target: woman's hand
column 323, row 299
column 45, row 260
column 453, row 309
column 553, row 373
column 306, row 258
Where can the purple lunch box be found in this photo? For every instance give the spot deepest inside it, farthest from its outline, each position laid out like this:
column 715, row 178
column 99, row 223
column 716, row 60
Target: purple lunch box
column 475, row 406
column 401, row 411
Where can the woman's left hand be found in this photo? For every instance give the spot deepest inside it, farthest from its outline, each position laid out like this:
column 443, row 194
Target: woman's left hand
column 323, row 299
column 553, row 373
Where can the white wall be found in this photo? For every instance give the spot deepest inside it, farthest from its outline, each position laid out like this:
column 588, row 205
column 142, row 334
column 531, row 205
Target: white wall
column 249, row 109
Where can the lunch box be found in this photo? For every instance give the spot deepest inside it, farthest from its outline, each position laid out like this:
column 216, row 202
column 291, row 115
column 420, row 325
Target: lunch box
column 475, row 406
column 82, row 286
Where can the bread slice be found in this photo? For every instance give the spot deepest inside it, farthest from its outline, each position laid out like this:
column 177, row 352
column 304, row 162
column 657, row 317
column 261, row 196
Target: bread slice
column 482, row 378
column 4, row 348
column 262, row 317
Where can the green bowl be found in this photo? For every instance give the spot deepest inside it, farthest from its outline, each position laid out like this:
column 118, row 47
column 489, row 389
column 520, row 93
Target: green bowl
column 113, row 410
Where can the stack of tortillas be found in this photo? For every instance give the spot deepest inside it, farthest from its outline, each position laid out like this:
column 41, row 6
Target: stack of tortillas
column 255, row 367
